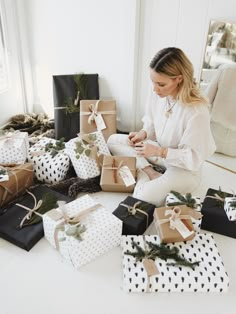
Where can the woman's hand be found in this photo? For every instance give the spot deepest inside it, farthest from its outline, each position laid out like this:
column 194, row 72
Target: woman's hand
column 136, row 137
column 147, row 150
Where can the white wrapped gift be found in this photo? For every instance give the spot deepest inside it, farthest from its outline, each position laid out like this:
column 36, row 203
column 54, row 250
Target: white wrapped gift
column 84, row 152
column 102, row 231
column 209, row 276
column 14, row 147
column 172, row 199
column 48, row 168
column 230, row 207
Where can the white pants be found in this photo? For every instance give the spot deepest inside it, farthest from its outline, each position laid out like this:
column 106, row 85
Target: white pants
column 154, row 191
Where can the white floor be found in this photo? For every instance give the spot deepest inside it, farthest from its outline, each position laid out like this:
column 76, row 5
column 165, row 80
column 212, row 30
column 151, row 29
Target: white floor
column 39, row 282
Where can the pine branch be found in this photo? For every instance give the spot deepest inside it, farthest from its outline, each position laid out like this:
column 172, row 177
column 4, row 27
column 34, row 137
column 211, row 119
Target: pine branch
column 188, row 200
column 163, row 252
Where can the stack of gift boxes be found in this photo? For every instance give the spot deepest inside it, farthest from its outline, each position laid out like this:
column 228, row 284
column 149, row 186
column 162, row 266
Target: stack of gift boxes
column 180, row 257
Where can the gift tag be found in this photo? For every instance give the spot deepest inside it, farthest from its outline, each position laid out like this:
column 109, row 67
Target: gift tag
column 3, row 174
column 150, row 267
column 55, row 214
column 100, row 122
column 182, row 229
column 126, row 176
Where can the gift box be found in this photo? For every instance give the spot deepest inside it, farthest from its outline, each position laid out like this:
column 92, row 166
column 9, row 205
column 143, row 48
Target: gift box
column 20, row 178
column 174, row 199
column 50, row 166
column 215, row 218
column 27, row 236
column 118, row 174
column 86, row 152
column 98, row 230
column 135, row 214
column 230, row 207
column 209, row 275
column 98, row 115
column 13, row 147
column 174, row 223
column 68, row 90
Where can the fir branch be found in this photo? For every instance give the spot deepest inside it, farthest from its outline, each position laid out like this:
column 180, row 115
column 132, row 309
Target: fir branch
column 70, row 107
column 163, row 252
column 188, row 200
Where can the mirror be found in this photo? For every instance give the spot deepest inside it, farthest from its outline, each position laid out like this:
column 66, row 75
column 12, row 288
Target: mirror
column 215, row 80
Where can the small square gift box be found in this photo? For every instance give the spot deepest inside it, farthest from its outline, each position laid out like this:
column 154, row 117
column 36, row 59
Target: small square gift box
column 21, row 224
column 13, row 147
column 175, row 199
column 82, row 230
column 118, row 174
column 86, row 152
column 215, row 218
column 51, row 163
column 193, row 266
column 136, row 215
column 98, row 115
column 19, row 178
column 230, row 207
column 174, row 224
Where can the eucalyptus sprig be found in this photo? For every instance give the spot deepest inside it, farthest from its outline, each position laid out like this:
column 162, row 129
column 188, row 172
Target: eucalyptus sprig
column 187, row 200
column 55, row 148
column 73, row 231
column 163, row 252
column 83, row 147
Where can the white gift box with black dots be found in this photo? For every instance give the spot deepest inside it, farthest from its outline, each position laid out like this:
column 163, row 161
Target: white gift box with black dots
column 229, row 208
column 48, row 168
column 14, row 150
column 171, row 198
column 85, row 166
column 209, row 276
column 102, row 232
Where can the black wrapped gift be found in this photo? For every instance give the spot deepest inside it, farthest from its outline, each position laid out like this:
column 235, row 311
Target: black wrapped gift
column 136, row 215
column 214, row 217
column 68, row 90
column 27, row 236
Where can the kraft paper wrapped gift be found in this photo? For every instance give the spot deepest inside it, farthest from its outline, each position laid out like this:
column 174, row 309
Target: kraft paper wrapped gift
column 13, row 147
column 136, row 215
column 98, row 231
column 48, row 167
column 27, row 236
column 86, row 152
column 98, row 115
column 209, row 276
column 230, row 207
column 215, row 218
column 174, row 199
column 174, row 223
column 113, row 174
column 20, row 178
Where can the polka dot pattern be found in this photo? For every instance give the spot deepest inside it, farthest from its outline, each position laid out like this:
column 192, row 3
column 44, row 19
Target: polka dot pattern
column 170, row 198
column 209, row 276
column 103, row 232
column 47, row 168
column 14, row 151
column 229, row 209
column 86, row 167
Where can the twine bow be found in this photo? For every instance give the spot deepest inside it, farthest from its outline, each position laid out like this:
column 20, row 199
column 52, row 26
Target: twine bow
column 132, row 210
column 114, row 168
column 94, row 112
column 31, row 211
column 216, row 197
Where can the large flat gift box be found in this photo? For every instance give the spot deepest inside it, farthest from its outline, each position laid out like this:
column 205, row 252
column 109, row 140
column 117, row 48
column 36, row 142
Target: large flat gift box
column 25, row 237
column 13, row 148
column 101, row 231
column 167, row 233
column 136, row 215
column 91, row 114
column 68, row 90
column 20, row 178
column 209, row 276
column 215, row 218
column 111, row 177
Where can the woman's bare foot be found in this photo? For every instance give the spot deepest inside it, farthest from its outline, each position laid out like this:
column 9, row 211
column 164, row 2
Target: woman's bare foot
column 152, row 174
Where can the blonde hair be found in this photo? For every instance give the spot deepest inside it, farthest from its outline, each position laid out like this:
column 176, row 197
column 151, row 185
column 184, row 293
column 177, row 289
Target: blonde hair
column 173, row 62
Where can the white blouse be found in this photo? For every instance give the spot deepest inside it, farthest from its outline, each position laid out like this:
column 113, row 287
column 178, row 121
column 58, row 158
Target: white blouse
column 186, row 132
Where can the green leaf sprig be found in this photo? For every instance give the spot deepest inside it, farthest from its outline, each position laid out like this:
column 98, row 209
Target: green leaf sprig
column 55, row 148
column 83, row 147
column 187, row 200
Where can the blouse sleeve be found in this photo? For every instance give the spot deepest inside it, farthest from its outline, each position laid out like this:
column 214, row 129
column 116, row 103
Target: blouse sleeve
column 147, row 119
column 195, row 146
